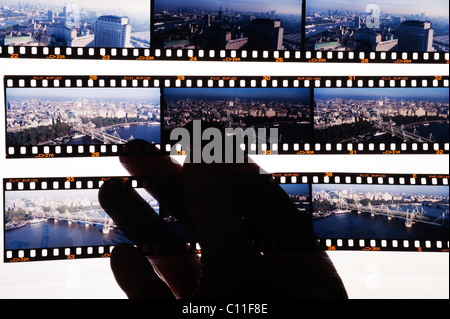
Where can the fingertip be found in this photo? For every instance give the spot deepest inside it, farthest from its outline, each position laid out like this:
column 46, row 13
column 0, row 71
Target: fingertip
column 138, row 160
column 135, row 275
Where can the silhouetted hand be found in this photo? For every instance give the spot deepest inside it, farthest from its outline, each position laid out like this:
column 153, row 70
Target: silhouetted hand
column 229, row 219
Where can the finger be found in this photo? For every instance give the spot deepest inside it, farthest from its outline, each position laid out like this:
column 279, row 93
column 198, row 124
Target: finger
column 136, row 276
column 268, row 210
column 270, row 214
column 271, row 217
column 138, row 164
column 168, row 190
column 181, row 273
column 141, row 224
column 209, row 197
column 306, row 274
column 232, row 265
column 133, row 215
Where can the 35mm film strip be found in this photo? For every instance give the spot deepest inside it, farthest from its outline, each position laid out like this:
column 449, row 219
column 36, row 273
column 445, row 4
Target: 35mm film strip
column 79, row 116
column 283, row 31
column 65, row 218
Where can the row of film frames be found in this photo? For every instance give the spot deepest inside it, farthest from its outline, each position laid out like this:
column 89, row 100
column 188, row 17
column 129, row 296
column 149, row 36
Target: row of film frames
column 312, row 31
column 85, row 116
column 62, row 218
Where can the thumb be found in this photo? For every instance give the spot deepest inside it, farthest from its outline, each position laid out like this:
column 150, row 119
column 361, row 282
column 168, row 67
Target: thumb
column 136, row 276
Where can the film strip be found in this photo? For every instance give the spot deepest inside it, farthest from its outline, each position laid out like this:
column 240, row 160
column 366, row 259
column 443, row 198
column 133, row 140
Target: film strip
column 83, row 116
column 62, row 218
column 286, row 31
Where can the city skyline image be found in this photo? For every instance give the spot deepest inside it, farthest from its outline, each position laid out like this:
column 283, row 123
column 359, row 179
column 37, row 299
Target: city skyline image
column 288, row 7
column 78, row 23
column 288, row 110
column 60, row 218
column 403, row 26
column 78, row 116
column 434, row 8
column 437, row 191
column 229, row 25
column 380, row 211
column 381, row 115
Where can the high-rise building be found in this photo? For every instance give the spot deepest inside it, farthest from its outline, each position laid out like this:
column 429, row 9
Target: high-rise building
column 113, row 32
column 372, row 40
column 415, row 36
column 50, row 16
column 265, row 34
column 358, row 23
column 207, row 20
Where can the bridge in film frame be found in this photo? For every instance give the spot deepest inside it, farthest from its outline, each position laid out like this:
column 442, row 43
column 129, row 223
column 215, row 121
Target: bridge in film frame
column 89, row 217
column 417, row 214
column 401, row 132
column 100, row 134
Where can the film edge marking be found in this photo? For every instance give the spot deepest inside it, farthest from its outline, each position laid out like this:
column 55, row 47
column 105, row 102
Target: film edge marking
column 327, row 244
column 98, row 150
column 225, row 55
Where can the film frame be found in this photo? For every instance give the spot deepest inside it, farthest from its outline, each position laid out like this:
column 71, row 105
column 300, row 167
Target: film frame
column 300, row 54
column 308, row 180
column 368, row 243
column 308, row 147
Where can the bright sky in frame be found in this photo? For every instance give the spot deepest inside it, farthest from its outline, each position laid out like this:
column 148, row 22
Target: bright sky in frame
column 281, row 7
column 430, row 7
